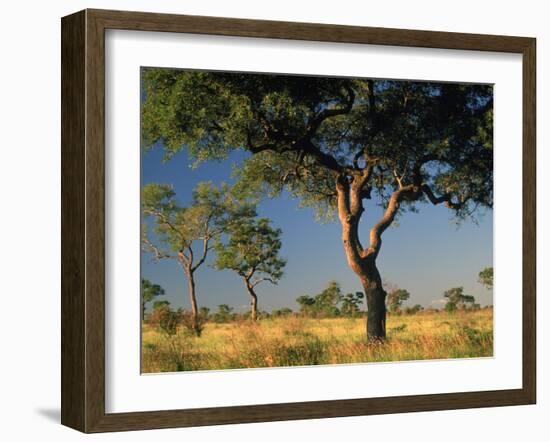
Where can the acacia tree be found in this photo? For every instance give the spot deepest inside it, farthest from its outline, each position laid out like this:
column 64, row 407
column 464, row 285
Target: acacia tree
column 334, row 143
column 485, row 277
column 457, row 299
column 252, row 251
column 149, row 292
column 395, row 299
column 187, row 234
column 351, row 303
column 324, row 304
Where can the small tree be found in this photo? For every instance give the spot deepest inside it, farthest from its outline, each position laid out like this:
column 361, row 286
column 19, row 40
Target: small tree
column 169, row 320
column 327, row 301
column 204, row 312
column 181, row 230
column 285, row 311
column 159, row 304
column 252, row 251
column 224, row 314
column 149, row 291
column 160, row 309
column 307, row 304
column 395, row 299
column 457, row 299
column 486, row 278
column 325, row 304
column 351, row 303
column 414, row 309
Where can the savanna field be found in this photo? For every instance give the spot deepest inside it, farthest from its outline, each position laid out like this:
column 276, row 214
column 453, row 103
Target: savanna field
column 296, row 340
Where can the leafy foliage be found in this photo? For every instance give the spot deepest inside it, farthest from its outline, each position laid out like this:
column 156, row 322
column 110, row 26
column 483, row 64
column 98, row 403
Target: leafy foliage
column 204, row 312
column 395, row 299
column 486, row 277
column 326, row 303
column 456, row 299
column 251, row 250
column 414, row 309
column 176, row 227
column 351, row 303
column 303, row 132
column 149, row 292
column 179, row 228
column 285, row 311
column 159, row 304
column 224, row 314
column 166, row 319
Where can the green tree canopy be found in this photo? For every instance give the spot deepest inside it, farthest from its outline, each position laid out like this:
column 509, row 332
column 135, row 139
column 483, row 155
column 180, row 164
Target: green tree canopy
column 486, row 277
column 187, row 234
column 351, row 303
column 149, row 292
column 456, row 299
column 177, row 228
column 305, row 131
column 251, row 250
column 161, row 304
column 324, row 304
column 395, row 299
column 224, row 314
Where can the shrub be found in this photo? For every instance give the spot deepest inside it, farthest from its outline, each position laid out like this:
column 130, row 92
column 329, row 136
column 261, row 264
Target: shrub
column 224, row 314
column 192, row 327
column 169, row 320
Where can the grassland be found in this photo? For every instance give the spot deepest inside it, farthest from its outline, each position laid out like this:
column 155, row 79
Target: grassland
column 294, row 341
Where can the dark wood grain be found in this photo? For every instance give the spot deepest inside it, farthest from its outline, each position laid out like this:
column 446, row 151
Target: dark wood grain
column 73, row 252
column 145, row 21
column 83, row 220
column 529, row 220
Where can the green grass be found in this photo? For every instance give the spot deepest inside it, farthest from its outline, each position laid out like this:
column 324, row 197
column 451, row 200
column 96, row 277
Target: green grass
column 294, row 340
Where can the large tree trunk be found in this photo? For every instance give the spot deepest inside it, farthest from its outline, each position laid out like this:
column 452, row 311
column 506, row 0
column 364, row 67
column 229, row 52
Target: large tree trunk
column 362, row 261
column 253, row 300
column 376, row 299
column 376, row 316
column 193, row 302
column 351, row 190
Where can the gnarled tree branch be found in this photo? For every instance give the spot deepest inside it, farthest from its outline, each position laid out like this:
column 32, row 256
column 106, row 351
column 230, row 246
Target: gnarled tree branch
column 157, row 252
column 326, row 113
column 205, row 249
column 410, row 192
column 445, row 198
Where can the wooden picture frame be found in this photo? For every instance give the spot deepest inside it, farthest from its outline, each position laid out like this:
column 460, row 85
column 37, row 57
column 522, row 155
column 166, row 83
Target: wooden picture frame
column 83, row 220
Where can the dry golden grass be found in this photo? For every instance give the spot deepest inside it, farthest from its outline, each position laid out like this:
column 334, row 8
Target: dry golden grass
column 294, row 340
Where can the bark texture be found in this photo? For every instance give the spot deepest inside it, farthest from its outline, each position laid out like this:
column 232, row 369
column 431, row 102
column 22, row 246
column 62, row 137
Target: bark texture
column 350, row 194
column 253, row 300
column 193, row 302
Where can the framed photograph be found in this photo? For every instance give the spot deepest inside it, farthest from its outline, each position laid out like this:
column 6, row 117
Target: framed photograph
column 267, row 221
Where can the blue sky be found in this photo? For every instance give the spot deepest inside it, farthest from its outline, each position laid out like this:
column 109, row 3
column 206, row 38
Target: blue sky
column 426, row 253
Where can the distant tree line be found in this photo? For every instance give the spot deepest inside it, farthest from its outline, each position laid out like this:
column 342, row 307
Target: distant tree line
column 331, row 302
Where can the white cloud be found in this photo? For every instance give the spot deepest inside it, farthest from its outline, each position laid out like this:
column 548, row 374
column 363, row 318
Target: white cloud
column 438, row 302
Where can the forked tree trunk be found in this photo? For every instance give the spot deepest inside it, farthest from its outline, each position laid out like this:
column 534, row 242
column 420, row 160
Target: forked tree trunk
column 365, row 268
column 193, row 301
column 363, row 261
column 253, row 300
